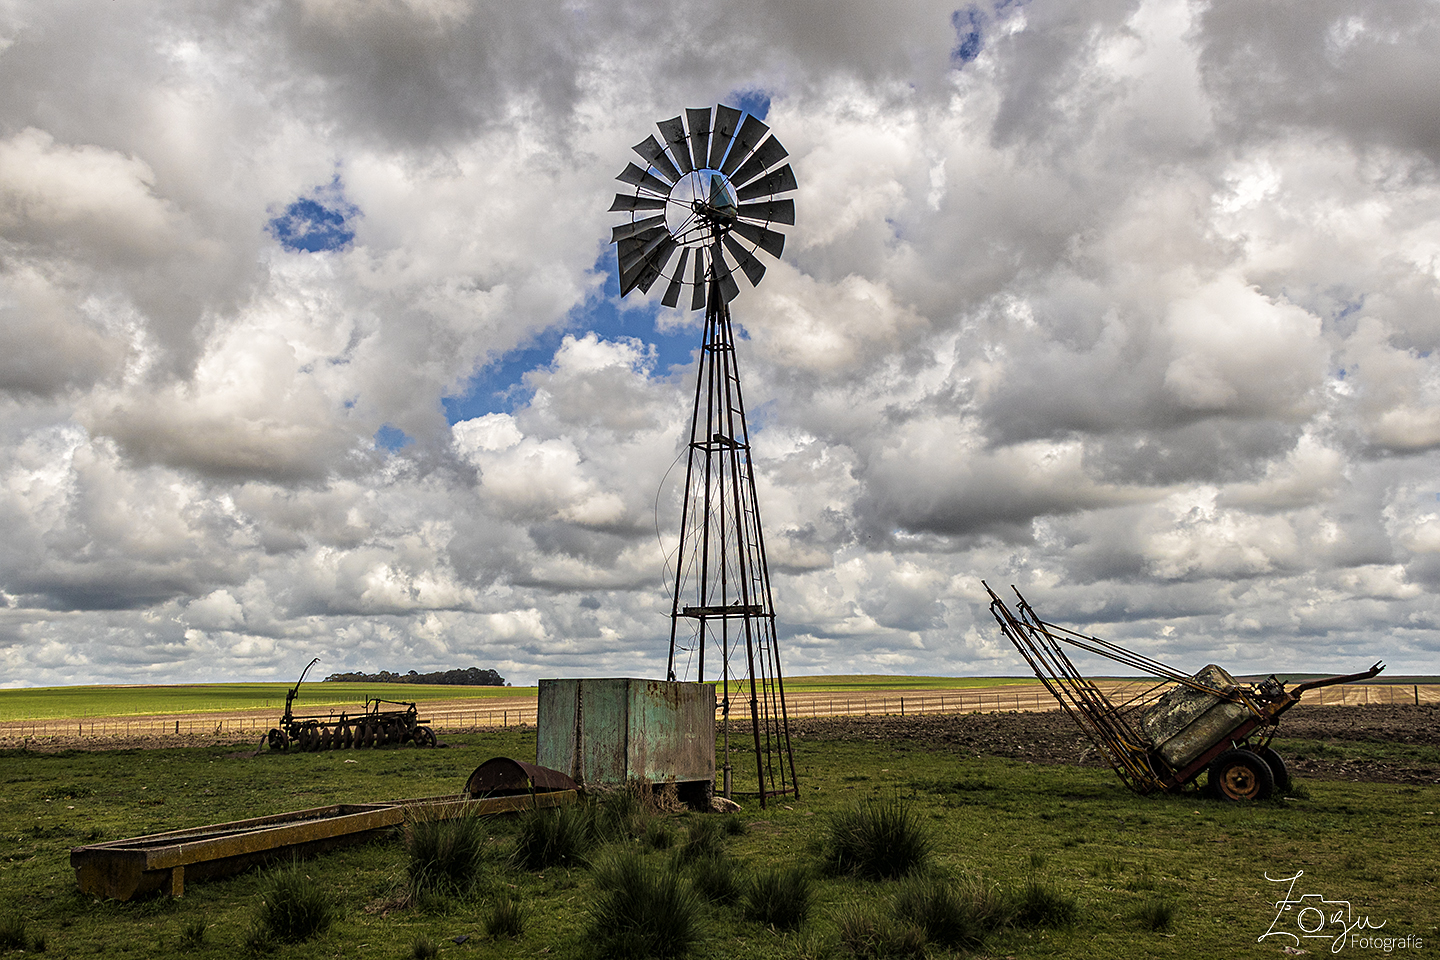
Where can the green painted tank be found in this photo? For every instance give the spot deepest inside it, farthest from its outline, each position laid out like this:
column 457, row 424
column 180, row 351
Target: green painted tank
column 608, row 731
column 1185, row 722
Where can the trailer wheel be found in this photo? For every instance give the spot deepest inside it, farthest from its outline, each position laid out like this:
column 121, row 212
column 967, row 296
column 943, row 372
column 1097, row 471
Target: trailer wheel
column 424, row 737
column 278, row 740
column 1276, row 764
column 1241, row 775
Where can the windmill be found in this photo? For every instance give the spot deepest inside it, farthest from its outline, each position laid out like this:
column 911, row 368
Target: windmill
column 708, row 194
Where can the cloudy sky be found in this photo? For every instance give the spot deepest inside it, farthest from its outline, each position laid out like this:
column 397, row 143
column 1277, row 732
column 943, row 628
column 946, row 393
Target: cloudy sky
column 311, row 345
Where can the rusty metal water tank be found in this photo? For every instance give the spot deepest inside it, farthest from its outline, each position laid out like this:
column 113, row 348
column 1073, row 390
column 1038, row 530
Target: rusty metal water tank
column 608, row 731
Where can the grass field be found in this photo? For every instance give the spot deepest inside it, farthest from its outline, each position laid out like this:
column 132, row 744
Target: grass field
column 1113, row 855
column 55, row 703
column 42, row 703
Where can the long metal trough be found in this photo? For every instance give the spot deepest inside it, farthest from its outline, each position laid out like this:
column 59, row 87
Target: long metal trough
column 165, row 862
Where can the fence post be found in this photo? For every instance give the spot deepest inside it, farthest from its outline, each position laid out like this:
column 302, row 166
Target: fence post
column 902, row 706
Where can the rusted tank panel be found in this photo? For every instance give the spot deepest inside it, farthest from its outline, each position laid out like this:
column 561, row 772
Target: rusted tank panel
column 1186, row 722
column 502, row 776
column 610, row 730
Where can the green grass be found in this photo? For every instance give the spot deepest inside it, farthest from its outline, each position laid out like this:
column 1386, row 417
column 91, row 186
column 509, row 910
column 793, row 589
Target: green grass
column 996, row 825
column 55, row 703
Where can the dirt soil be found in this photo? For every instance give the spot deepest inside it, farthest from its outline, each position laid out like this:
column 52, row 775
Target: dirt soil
column 1054, row 738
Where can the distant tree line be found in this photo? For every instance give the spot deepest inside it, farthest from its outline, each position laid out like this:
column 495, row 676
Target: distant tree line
column 469, row 677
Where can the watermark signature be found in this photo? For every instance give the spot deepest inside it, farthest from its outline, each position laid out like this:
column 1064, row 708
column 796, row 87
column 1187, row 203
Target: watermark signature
column 1311, row 919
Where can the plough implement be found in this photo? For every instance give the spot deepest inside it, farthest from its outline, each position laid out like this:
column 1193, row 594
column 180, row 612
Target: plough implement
column 374, row 727
column 1181, row 726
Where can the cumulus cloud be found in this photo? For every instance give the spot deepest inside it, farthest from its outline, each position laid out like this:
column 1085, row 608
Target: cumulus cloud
column 307, row 347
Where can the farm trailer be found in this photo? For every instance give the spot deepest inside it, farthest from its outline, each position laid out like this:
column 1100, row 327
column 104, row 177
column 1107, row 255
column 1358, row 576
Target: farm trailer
column 1184, row 725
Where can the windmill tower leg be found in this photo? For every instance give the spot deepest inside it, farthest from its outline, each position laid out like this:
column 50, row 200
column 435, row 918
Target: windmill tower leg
column 722, row 597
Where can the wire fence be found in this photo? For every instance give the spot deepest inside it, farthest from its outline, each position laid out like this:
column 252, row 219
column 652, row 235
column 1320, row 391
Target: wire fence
column 455, row 716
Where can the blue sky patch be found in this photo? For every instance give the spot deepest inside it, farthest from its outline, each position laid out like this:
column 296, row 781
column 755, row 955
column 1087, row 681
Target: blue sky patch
column 753, row 102
column 392, row 438
column 971, row 41
column 316, row 223
column 499, row 387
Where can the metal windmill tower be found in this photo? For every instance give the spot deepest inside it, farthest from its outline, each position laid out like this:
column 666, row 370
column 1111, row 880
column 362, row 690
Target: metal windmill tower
column 709, row 194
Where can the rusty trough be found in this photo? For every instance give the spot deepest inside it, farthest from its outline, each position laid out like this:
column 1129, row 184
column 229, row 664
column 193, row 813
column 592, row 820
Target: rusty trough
column 166, row 862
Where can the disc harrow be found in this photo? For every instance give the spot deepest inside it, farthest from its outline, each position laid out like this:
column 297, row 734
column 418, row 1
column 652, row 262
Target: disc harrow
column 382, row 723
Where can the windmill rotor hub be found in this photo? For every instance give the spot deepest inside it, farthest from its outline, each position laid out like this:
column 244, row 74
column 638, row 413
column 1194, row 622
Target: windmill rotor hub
column 709, row 191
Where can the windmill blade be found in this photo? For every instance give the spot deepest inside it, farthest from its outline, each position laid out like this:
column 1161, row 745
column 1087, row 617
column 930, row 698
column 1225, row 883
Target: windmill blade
column 625, row 202
column 655, row 264
column 699, row 123
column 644, row 180
column 697, row 295
column 636, row 227
column 771, row 211
column 672, row 292
column 636, row 263
column 768, row 240
column 754, row 269
column 752, row 131
column 632, row 250
column 769, row 153
column 654, row 155
column 724, row 279
column 727, row 119
column 781, row 181
column 673, row 130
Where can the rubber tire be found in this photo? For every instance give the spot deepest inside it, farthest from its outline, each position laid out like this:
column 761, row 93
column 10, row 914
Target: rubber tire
column 1238, row 775
column 1277, row 769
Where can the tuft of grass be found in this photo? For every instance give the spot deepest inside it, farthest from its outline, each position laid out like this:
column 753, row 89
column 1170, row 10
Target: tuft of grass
column 717, row 878
column 705, row 838
column 424, row 948
column 642, row 909
column 293, row 908
column 779, row 897
column 879, row 840
column 37, row 943
column 1040, row 903
column 735, row 825
column 866, row 934
column 506, row 919
column 1156, row 915
column 658, row 835
column 936, row 907
column 12, row 931
column 623, row 816
column 445, row 855
column 555, row 837
column 192, row 935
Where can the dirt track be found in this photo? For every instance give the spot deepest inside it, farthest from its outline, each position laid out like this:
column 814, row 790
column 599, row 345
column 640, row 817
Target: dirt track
column 1054, row 738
